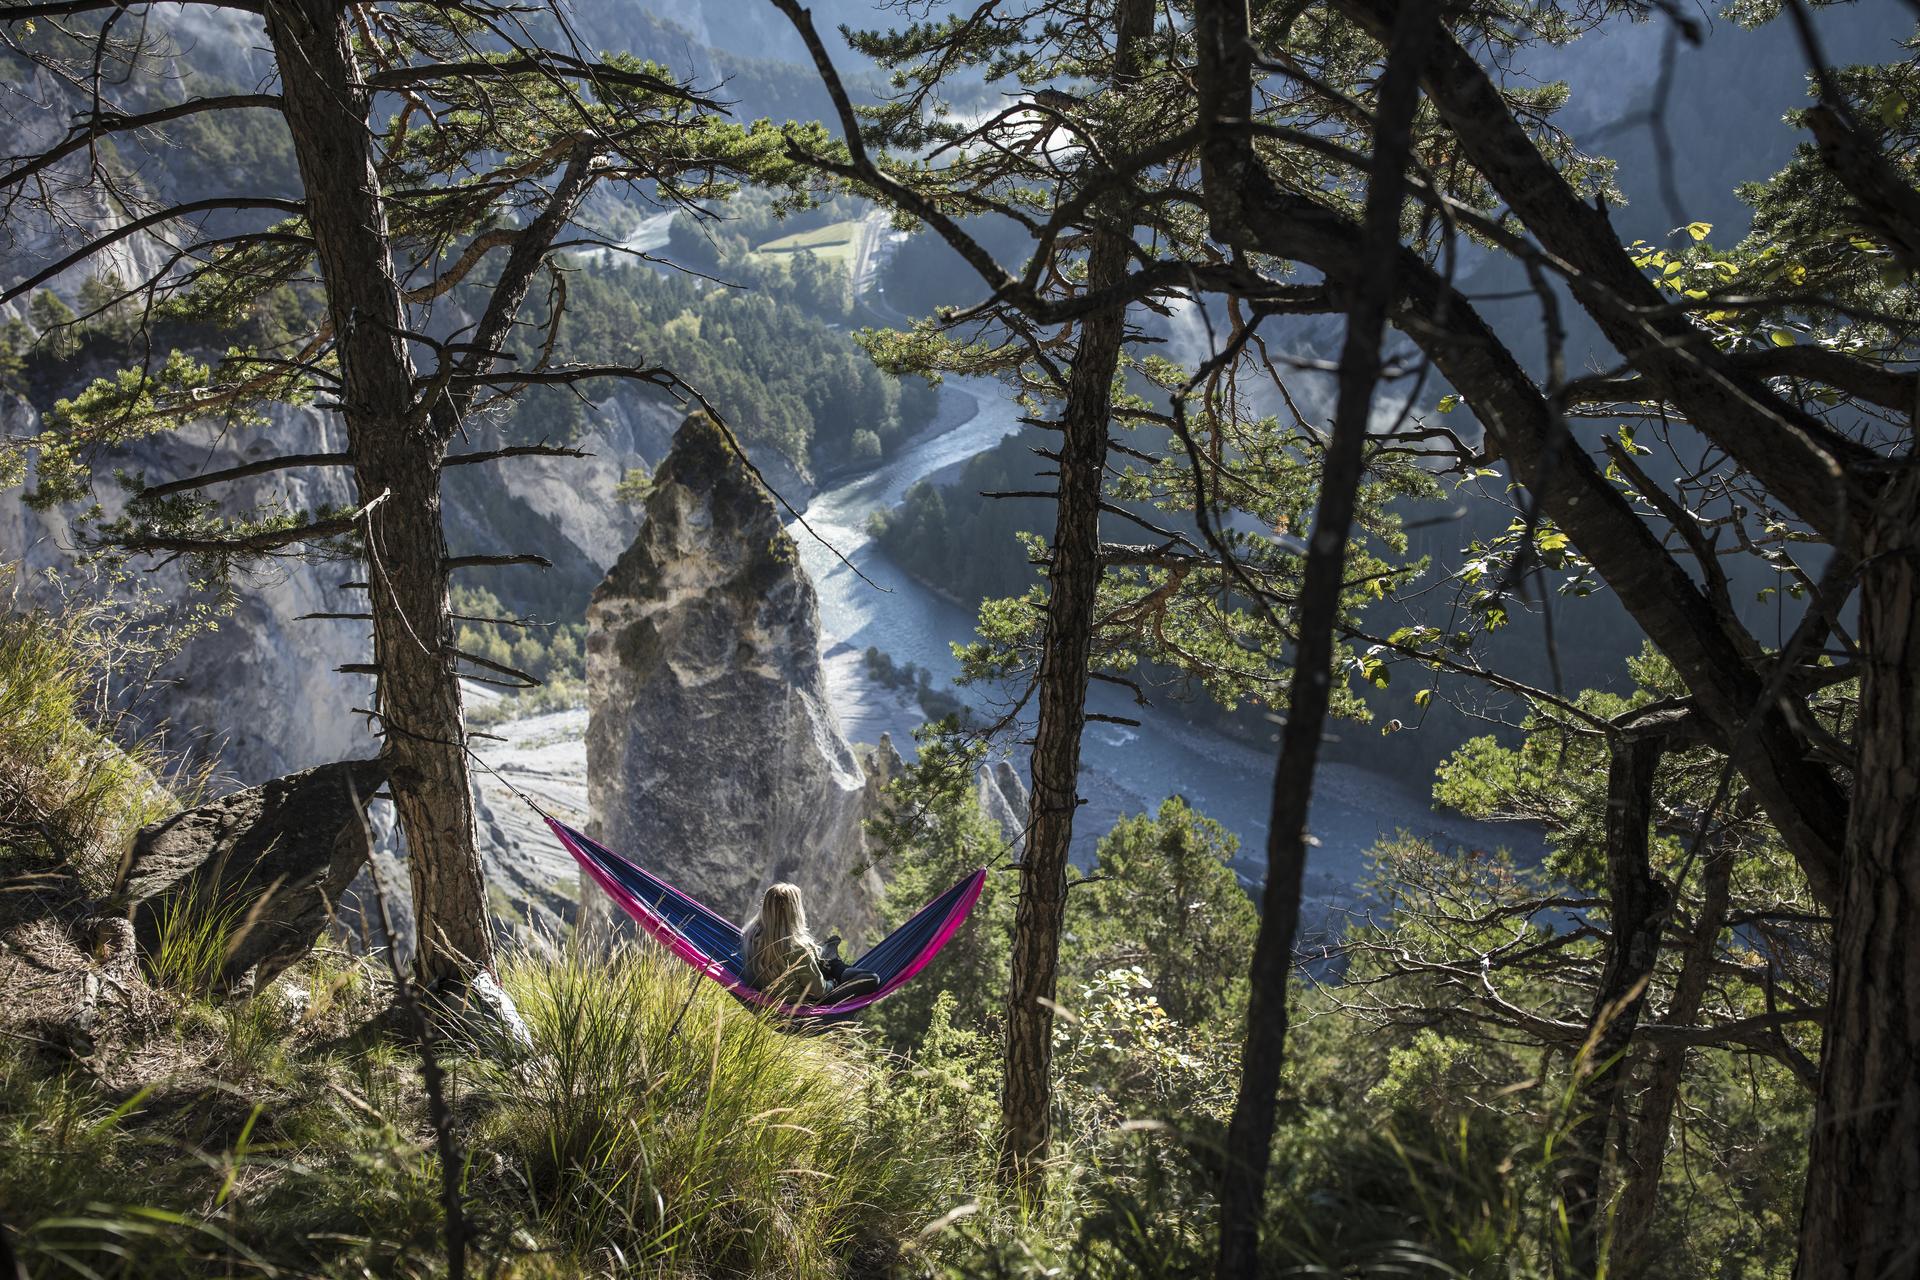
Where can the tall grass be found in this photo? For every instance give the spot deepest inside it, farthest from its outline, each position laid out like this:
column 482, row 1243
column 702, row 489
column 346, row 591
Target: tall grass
column 197, row 932
column 658, row 1130
column 67, row 789
column 665, row 1129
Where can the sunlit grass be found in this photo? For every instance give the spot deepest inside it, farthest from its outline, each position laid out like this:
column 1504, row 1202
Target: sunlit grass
column 664, row 1126
column 658, row 1129
column 67, row 790
column 832, row 243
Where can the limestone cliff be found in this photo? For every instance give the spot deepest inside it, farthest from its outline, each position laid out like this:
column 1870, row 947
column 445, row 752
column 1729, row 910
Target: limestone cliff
column 712, row 752
column 258, row 694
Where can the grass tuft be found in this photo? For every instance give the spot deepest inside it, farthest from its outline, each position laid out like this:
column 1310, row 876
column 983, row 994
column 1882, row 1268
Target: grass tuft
column 69, row 790
column 662, row 1126
column 197, row 932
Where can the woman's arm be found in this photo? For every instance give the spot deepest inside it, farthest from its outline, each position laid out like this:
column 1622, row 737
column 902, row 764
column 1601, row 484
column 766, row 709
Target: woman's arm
column 816, row 977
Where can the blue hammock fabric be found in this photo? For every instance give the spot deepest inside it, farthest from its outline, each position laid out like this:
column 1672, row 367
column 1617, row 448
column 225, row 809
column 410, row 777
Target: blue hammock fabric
column 713, row 944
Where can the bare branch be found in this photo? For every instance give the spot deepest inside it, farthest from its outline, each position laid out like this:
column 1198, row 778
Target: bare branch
column 292, row 208
column 514, row 451
column 475, row 562
column 106, row 125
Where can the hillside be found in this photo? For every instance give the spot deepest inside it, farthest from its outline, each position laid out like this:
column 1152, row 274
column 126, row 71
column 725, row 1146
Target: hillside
column 1051, row 641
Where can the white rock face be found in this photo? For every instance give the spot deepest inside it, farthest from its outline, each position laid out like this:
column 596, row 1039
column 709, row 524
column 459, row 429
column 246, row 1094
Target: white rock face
column 577, row 493
column 258, row 693
column 1003, row 798
column 713, row 755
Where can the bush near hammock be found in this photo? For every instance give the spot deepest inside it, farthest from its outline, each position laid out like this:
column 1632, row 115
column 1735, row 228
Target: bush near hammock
column 664, row 1126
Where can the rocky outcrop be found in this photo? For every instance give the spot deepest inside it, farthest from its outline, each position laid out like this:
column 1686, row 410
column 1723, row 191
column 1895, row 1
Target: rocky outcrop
column 257, row 694
column 1003, row 798
column 712, row 752
column 276, row 859
column 996, row 785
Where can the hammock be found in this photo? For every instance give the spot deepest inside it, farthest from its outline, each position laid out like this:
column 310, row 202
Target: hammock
column 713, row 945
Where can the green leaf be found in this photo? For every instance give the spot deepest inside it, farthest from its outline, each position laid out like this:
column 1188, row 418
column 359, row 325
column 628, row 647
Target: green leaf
column 1781, row 338
column 1449, row 403
column 1422, row 698
column 1699, row 230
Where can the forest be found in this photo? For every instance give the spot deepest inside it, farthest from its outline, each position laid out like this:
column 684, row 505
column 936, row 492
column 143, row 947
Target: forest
column 482, row 481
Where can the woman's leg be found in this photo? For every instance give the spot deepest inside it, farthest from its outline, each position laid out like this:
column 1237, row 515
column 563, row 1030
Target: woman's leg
column 831, row 963
column 852, row 983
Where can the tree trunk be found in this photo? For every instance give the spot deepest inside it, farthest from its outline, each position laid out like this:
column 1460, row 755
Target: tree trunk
column 1861, row 1219
column 396, row 459
column 1638, row 905
column 1073, row 578
column 1646, row 1154
column 1249, row 1147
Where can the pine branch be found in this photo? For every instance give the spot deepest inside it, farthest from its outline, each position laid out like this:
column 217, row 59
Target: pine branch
column 106, row 125
column 477, row 249
column 548, row 63
column 655, row 375
column 1895, row 389
column 292, row 208
column 67, row 8
column 286, row 462
column 261, row 542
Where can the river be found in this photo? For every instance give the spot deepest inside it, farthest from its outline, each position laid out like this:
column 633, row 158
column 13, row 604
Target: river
column 1126, row 770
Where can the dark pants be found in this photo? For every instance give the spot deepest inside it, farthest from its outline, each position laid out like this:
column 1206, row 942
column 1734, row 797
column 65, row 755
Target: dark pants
column 844, row 983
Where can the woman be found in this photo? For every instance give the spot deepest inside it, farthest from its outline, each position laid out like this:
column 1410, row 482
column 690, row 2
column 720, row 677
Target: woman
column 784, row 961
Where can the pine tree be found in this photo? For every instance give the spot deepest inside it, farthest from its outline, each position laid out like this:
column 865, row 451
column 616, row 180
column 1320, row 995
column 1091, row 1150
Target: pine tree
column 438, row 155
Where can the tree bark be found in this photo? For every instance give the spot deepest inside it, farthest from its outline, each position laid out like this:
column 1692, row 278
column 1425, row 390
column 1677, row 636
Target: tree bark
column 1073, row 577
column 1713, row 654
column 1637, row 906
column 1861, row 1219
column 396, row 452
column 1249, row 1145
column 1812, row 468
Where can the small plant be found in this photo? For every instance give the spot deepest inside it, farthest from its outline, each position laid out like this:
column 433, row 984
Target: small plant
column 197, row 932
column 635, row 486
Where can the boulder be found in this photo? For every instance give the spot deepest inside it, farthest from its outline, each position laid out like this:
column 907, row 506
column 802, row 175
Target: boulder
column 1003, row 798
column 713, row 755
column 278, row 856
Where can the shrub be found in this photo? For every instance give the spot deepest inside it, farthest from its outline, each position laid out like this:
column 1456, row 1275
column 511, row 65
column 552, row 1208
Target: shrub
column 663, row 1128
column 68, row 789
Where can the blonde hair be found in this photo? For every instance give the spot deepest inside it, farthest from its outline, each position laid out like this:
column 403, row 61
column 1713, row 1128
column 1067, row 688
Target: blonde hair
column 777, row 937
